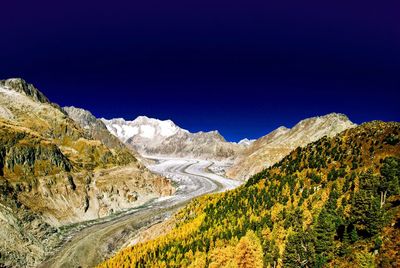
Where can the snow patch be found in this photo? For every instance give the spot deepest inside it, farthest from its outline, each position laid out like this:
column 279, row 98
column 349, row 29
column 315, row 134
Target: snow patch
column 246, row 142
column 147, row 131
column 129, row 131
column 167, row 128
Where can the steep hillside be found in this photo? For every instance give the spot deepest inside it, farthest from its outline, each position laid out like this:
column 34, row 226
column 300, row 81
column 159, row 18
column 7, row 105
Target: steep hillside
column 271, row 148
column 98, row 130
column 53, row 172
column 93, row 126
column 335, row 202
column 155, row 137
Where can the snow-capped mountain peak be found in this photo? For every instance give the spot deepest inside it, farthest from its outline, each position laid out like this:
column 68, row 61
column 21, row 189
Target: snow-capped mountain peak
column 151, row 136
column 246, row 142
column 142, row 126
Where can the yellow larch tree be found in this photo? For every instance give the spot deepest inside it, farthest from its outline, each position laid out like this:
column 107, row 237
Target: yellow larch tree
column 249, row 252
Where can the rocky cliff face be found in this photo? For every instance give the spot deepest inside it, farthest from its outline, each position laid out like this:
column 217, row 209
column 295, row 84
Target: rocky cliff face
column 23, row 154
column 21, row 86
column 96, row 129
column 93, row 126
column 57, row 170
column 24, row 236
column 271, row 148
column 155, row 137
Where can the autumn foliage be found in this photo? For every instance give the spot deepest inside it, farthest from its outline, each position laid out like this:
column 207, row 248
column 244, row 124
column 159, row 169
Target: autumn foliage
column 332, row 203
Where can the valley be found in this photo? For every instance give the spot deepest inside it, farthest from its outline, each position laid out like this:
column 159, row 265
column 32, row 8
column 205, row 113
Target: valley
column 91, row 245
column 332, row 203
column 200, row 134
column 80, row 191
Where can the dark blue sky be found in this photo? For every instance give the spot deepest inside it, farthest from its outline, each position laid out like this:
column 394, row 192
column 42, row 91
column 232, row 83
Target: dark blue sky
column 242, row 67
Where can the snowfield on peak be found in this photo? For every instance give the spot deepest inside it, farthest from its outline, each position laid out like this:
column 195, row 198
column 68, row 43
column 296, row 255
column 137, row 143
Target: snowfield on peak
column 142, row 126
column 149, row 136
column 246, row 142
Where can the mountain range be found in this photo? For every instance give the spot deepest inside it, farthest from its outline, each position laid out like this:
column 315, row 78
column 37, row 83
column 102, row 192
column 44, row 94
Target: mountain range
column 271, row 148
column 332, row 203
column 62, row 166
column 56, row 171
column 153, row 137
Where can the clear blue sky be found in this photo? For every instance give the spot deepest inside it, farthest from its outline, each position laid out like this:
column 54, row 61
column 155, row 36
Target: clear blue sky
column 242, row 67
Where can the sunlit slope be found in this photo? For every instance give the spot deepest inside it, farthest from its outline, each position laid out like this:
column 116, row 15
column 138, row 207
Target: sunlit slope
column 273, row 147
column 54, row 172
column 334, row 202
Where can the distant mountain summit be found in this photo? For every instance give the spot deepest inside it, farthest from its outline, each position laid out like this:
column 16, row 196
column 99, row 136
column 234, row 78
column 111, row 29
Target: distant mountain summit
column 153, row 137
column 142, row 127
column 156, row 137
column 272, row 147
column 246, row 142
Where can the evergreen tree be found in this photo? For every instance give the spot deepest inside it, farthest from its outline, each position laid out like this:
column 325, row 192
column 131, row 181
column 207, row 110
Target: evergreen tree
column 391, row 176
column 300, row 251
column 368, row 215
column 324, row 233
column 344, row 248
column 354, row 235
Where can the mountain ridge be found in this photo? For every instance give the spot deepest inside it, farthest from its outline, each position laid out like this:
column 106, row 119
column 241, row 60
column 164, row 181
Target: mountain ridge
column 95, row 127
column 151, row 136
column 272, row 147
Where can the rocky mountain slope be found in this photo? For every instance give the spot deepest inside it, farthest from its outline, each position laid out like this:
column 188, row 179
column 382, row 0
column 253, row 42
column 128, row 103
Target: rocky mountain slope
column 332, row 203
column 93, row 126
column 271, row 148
column 56, row 171
column 155, row 137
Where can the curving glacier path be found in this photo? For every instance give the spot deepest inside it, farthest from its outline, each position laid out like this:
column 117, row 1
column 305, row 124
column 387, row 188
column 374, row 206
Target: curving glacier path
column 91, row 244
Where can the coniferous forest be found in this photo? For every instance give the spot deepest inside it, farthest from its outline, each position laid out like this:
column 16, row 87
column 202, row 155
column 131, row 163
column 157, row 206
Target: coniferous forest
column 333, row 203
